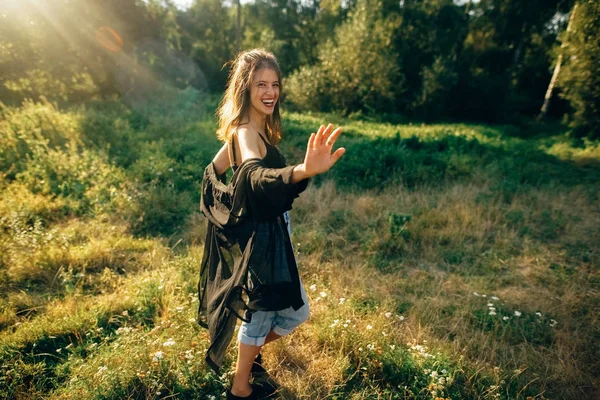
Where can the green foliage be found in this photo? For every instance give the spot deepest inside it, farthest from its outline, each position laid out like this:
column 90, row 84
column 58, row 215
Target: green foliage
column 42, row 149
column 375, row 163
column 488, row 60
column 67, row 50
column 356, row 69
column 398, row 224
column 438, row 89
column 580, row 76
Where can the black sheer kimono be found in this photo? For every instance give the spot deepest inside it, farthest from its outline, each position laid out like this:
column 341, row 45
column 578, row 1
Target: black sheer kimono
column 248, row 262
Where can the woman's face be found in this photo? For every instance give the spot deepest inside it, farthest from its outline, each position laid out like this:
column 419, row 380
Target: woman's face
column 264, row 91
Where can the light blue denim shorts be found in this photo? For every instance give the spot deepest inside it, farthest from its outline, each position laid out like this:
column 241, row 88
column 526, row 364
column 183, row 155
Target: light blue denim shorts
column 281, row 322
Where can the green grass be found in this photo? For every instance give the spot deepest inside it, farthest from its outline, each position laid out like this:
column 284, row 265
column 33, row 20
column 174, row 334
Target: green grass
column 441, row 261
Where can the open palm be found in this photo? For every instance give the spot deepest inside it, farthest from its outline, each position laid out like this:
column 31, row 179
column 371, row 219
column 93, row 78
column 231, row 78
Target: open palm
column 318, row 157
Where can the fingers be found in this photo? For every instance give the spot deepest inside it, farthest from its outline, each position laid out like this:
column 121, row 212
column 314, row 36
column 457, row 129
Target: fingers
column 317, row 141
column 337, row 155
column 311, row 142
column 333, row 137
column 322, row 134
column 325, row 136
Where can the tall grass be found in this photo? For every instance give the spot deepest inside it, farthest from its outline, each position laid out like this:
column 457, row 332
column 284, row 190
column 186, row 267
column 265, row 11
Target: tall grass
column 441, row 261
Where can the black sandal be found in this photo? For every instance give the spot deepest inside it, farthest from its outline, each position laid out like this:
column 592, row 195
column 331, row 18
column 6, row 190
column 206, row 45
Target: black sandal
column 252, row 396
column 258, row 371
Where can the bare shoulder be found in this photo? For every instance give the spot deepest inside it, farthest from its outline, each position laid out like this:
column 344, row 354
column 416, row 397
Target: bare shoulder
column 248, row 143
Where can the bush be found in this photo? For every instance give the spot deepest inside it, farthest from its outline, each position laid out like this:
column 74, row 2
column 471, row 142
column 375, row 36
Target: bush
column 356, row 70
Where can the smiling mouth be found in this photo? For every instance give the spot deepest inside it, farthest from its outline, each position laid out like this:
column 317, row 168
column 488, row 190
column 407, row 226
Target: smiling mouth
column 269, row 103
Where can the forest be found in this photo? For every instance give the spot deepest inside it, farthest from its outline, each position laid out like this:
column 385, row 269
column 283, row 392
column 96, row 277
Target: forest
column 437, row 60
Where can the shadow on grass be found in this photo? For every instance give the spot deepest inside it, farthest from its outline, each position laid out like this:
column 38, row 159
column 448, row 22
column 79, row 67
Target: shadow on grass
column 166, row 159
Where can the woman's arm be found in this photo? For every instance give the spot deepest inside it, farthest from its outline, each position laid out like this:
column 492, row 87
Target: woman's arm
column 247, row 144
column 318, row 158
column 221, row 160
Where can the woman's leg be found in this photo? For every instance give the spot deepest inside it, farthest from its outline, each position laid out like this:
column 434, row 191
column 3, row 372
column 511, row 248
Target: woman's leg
column 271, row 336
column 241, row 381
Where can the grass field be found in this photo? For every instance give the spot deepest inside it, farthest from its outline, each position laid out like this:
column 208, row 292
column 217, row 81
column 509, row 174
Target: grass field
column 449, row 261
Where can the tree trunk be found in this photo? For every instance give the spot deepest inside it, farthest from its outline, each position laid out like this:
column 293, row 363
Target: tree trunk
column 519, row 50
column 548, row 96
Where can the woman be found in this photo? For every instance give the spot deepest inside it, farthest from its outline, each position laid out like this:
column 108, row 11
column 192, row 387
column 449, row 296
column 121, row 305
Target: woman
column 248, row 269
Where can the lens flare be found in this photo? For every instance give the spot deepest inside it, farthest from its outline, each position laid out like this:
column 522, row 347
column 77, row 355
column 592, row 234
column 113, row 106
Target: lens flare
column 109, row 39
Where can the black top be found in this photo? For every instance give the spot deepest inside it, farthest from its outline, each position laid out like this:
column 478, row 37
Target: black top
column 248, row 262
column 273, row 157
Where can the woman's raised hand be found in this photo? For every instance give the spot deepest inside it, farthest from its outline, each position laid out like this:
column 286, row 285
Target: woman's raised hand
column 318, row 157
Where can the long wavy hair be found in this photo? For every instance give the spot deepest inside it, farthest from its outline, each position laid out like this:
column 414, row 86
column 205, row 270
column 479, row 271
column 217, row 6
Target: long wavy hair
column 235, row 104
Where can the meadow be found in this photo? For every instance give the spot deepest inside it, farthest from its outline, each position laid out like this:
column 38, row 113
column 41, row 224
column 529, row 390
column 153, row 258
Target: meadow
column 442, row 261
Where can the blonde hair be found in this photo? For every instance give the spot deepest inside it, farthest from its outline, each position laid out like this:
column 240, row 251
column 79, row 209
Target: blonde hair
column 235, row 103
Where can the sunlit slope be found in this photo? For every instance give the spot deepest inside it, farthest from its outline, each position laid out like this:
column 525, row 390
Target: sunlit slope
column 453, row 261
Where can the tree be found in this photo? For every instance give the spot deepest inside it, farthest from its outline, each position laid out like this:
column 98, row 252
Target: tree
column 548, row 95
column 357, row 69
column 580, row 75
column 67, row 49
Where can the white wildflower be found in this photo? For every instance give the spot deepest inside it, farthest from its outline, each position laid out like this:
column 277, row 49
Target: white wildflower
column 125, row 313
column 388, row 314
column 476, row 294
column 313, row 287
column 505, row 318
column 393, row 346
column 342, row 300
column 323, row 294
column 490, row 304
column 434, row 374
column 369, row 327
column 539, row 314
column 553, row 322
column 494, row 298
column 169, row 342
column 401, row 318
column 492, row 312
column 157, row 356
column 518, row 313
